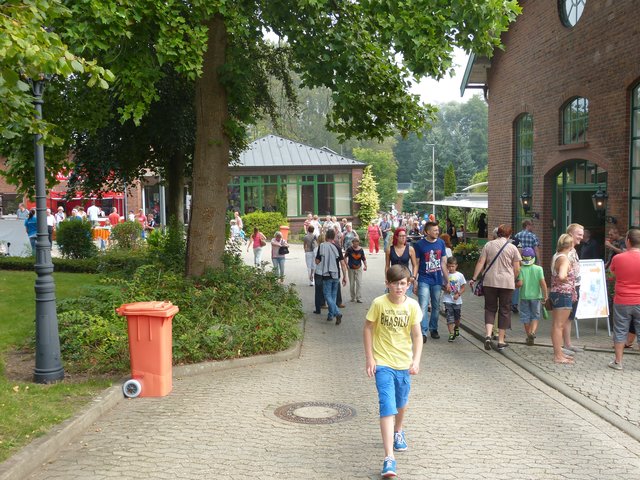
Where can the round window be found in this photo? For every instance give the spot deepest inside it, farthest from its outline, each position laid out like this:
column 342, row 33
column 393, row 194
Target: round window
column 571, row 11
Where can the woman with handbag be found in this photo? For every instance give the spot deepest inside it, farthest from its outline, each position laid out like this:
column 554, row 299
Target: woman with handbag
column 279, row 248
column 502, row 261
column 257, row 240
column 562, row 295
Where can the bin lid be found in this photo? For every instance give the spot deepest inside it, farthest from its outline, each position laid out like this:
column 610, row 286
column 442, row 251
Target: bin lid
column 150, row 309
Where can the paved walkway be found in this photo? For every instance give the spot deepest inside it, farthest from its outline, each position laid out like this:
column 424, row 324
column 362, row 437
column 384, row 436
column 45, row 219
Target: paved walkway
column 473, row 415
column 590, row 376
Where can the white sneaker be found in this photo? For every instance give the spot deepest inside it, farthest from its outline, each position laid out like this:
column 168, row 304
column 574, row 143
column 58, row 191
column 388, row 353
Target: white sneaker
column 615, row 365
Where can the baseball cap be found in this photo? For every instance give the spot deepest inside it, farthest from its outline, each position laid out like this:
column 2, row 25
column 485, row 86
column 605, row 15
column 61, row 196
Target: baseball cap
column 528, row 256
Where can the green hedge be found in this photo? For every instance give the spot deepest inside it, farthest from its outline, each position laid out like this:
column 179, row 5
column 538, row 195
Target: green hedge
column 267, row 222
column 116, row 263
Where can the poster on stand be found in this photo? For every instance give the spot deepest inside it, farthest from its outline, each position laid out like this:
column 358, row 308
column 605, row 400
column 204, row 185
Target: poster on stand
column 593, row 301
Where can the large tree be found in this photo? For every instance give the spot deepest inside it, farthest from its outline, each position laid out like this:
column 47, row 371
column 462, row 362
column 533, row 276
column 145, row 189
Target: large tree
column 351, row 48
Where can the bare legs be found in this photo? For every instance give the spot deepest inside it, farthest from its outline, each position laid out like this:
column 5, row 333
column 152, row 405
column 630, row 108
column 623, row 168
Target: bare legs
column 560, row 319
column 388, row 426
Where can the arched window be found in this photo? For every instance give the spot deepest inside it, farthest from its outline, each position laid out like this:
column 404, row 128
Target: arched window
column 575, row 120
column 634, row 204
column 523, row 132
column 571, row 11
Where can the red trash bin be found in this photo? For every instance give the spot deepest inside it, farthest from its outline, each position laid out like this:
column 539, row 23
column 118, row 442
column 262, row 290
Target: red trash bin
column 150, row 344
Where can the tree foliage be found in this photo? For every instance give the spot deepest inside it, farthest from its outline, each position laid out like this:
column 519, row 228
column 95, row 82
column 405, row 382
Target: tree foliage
column 450, row 180
column 460, row 138
column 29, row 50
column 367, row 197
column 384, row 169
column 351, row 48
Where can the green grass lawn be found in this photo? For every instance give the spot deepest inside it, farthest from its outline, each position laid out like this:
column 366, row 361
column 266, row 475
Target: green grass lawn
column 28, row 410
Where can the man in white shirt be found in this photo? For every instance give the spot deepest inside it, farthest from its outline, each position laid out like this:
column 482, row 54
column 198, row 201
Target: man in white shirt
column 93, row 212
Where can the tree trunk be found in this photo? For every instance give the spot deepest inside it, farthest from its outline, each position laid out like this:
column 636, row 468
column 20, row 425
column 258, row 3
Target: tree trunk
column 175, row 187
column 211, row 159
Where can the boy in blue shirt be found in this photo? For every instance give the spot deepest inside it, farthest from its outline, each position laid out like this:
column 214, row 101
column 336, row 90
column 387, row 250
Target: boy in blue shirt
column 393, row 349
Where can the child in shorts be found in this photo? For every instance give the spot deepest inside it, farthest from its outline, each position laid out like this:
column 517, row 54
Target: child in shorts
column 393, row 347
column 532, row 291
column 356, row 264
column 452, row 299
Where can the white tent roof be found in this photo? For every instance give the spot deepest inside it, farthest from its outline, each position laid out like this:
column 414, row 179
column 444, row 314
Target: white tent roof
column 461, row 200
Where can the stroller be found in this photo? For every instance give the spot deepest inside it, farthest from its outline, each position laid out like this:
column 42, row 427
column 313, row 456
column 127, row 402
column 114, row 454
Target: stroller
column 4, row 248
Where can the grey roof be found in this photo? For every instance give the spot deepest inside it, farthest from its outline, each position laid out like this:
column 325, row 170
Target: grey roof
column 275, row 151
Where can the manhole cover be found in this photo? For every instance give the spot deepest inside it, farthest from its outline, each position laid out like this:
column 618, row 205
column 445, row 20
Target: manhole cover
column 315, row 413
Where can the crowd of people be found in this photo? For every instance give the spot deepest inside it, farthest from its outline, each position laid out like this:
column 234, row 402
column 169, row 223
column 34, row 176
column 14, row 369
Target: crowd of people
column 99, row 219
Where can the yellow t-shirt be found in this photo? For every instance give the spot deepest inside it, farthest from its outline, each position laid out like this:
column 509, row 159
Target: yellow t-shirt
column 392, row 346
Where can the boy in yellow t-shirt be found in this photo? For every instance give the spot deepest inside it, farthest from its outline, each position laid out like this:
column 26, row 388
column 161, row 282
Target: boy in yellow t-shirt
column 393, row 347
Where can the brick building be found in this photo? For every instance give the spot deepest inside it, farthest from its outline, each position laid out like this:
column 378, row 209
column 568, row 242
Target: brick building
column 564, row 116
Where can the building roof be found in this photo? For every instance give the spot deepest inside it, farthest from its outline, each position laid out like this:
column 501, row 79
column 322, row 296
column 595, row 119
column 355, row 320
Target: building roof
column 275, row 151
column 475, row 75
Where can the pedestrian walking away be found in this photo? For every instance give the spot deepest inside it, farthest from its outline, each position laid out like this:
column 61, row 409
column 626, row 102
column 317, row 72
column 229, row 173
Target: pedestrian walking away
column 502, row 261
column 393, row 350
column 525, row 238
column 310, row 244
column 257, row 240
column 432, row 274
column 330, row 262
column 533, row 292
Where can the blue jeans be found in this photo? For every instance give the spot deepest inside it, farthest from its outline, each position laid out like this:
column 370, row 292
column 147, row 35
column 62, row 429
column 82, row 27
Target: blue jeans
column 278, row 266
column 330, row 290
column 428, row 292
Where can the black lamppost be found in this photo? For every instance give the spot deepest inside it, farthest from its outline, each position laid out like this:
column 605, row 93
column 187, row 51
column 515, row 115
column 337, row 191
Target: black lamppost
column 48, row 362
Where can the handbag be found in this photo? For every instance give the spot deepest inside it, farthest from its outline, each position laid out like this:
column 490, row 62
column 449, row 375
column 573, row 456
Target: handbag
column 263, row 242
column 283, row 250
column 478, row 289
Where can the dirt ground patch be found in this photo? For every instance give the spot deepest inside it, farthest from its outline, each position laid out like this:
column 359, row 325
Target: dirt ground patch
column 19, row 365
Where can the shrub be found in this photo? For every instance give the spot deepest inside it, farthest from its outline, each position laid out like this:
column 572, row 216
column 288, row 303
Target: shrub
column 169, row 248
column 468, row 251
column 121, row 263
column 93, row 338
column 127, row 235
column 74, row 239
column 233, row 311
column 267, row 222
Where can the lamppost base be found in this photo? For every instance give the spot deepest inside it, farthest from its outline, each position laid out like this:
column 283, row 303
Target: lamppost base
column 48, row 376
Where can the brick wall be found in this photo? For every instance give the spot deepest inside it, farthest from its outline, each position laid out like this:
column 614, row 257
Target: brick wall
column 545, row 64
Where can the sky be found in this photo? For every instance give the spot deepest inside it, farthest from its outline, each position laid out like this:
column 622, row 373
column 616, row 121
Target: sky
column 448, row 89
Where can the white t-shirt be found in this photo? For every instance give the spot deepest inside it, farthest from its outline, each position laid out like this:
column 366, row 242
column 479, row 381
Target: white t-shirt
column 456, row 281
column 93, row 212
